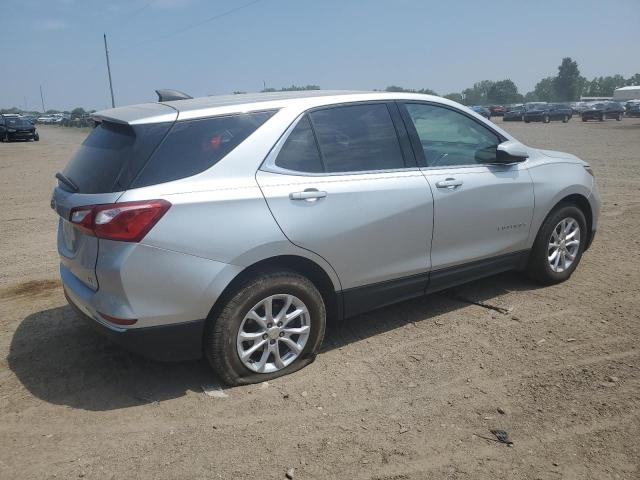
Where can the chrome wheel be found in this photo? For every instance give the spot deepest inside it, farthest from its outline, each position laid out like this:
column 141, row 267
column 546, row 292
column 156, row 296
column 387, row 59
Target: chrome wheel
column 273, row 333
column 564, row 245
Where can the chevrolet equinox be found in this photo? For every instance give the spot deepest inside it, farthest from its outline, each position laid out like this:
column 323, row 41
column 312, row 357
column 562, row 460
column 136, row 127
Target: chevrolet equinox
column 232, row 227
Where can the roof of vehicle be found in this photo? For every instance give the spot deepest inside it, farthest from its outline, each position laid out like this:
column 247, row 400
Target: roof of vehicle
column 247, row 102
column 205, row 107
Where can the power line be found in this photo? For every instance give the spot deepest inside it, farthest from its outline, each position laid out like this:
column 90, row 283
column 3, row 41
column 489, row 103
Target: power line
column 198, row 24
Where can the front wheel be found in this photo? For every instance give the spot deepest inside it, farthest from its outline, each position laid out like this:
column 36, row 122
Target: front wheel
column 619, row 117
column 546, row 119
column 559, row 244
column 601, row 118
column 36, row 137
column 565, row 119
column 271, row 326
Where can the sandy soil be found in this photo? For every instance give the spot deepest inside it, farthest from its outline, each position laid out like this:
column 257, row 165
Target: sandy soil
column 406, row 392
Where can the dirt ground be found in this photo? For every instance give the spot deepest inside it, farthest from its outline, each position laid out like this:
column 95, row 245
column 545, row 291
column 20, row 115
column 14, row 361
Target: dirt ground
column 407, row 392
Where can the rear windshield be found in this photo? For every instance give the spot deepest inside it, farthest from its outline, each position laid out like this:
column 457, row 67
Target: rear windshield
column 193, row 146
column 112, row 155
column 115, row 157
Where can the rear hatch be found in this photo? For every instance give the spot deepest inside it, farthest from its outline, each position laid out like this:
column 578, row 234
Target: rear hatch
column 102, row 169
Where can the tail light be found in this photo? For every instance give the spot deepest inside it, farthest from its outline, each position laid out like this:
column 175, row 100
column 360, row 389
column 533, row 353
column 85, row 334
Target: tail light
column 127, row 221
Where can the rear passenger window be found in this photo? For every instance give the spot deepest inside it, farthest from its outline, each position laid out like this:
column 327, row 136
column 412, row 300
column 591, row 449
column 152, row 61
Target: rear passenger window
column 193, row 146
column 300, row 152
column 357, row 138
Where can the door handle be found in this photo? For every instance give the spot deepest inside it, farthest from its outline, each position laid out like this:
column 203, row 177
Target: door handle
column 449, row 183
column 309, row 194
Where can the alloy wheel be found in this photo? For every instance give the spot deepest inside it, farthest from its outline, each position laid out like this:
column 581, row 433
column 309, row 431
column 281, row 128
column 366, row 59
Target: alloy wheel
column 564, row 245
column 273, row 333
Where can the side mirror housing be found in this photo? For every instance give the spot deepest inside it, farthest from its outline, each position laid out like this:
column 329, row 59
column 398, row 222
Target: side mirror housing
column 511, row 152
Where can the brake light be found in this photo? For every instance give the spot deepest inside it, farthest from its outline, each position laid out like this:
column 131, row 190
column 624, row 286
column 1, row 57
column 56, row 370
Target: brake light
column 127, row 221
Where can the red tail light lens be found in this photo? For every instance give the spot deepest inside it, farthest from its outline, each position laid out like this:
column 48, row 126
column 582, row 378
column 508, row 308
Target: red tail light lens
column 127, row 221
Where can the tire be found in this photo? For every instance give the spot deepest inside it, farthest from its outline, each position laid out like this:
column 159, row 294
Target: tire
column 619, row 117
column 221, row 340
column 36, row 137
column 565, row 119
column 539, row 267
column 601, row 118
column 546, row 119
column 527, row 121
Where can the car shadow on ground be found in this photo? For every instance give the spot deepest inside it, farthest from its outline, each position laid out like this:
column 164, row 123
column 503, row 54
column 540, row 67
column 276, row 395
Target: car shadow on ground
column 60, row 359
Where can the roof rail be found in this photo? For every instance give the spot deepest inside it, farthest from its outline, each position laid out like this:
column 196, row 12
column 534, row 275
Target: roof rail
column 167, row 95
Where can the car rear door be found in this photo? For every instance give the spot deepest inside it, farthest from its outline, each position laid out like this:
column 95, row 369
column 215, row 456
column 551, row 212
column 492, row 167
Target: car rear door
column 343, row 183
column 482, row 211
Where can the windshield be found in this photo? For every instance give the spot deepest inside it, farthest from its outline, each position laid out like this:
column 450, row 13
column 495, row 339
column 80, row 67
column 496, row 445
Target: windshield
column 597, row 105
column 17, row 122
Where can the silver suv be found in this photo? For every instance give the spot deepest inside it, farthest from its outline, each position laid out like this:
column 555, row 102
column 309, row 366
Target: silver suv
column 233, row 227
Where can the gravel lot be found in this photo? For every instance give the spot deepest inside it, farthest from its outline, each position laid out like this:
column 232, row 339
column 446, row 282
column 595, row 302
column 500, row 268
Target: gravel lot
column 407, row 392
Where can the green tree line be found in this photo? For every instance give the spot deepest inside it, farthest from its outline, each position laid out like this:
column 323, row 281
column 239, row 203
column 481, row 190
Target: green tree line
column 568, row 85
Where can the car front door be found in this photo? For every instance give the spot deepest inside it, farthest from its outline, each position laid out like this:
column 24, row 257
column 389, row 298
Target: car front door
column 482, row 210
column 343, row 183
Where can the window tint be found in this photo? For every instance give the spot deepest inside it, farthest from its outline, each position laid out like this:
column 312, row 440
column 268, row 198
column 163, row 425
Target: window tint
column 112, row 155
column 451, row 138
column 300, row 152
column 193, row 146
column 357, row 138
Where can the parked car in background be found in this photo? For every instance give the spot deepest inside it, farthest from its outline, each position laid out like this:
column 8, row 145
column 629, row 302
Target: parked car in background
column 153, row 255
column 547, row 112
column 496, row 110
column 603, row 110
column 514, row 113
column 484, row 111
column 633, row 109
column 16, row 127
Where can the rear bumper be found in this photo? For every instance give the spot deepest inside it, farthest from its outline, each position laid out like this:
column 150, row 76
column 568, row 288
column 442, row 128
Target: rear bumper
column 175, row 342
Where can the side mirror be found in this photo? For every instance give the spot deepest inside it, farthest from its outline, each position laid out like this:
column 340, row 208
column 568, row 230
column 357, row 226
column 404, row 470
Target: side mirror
column 511, row 152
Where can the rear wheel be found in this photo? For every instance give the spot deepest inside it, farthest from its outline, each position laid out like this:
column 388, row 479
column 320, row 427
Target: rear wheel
column 619, row 117
column 565, row 119
column 558, row 246
column 584, row 119
column 546, row 119
column 601, row 118
column 271, row 326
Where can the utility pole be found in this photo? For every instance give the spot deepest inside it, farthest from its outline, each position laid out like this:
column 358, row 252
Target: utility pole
column 42, row 98
column 106, row 52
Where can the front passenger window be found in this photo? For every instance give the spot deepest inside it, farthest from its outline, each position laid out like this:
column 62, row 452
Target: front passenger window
column 449, row 138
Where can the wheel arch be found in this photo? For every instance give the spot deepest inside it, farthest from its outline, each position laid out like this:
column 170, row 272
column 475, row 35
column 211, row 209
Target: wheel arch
column 295, row 263
column 583, row 204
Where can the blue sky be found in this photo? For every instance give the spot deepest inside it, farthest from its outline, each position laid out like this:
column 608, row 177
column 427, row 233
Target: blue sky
column 344, row 44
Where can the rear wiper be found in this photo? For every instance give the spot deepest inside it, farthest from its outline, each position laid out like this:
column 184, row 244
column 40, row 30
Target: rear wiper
column 67, row 181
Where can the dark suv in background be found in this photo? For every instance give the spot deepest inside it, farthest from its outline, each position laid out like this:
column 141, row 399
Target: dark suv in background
column 602, row 111
column 16, row 127
column 547, row 112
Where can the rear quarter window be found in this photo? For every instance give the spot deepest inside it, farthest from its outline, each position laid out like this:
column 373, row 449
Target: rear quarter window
column 193, row 146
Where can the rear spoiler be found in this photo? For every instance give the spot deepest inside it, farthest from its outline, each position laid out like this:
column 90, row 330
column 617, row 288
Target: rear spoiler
column 167, row 95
